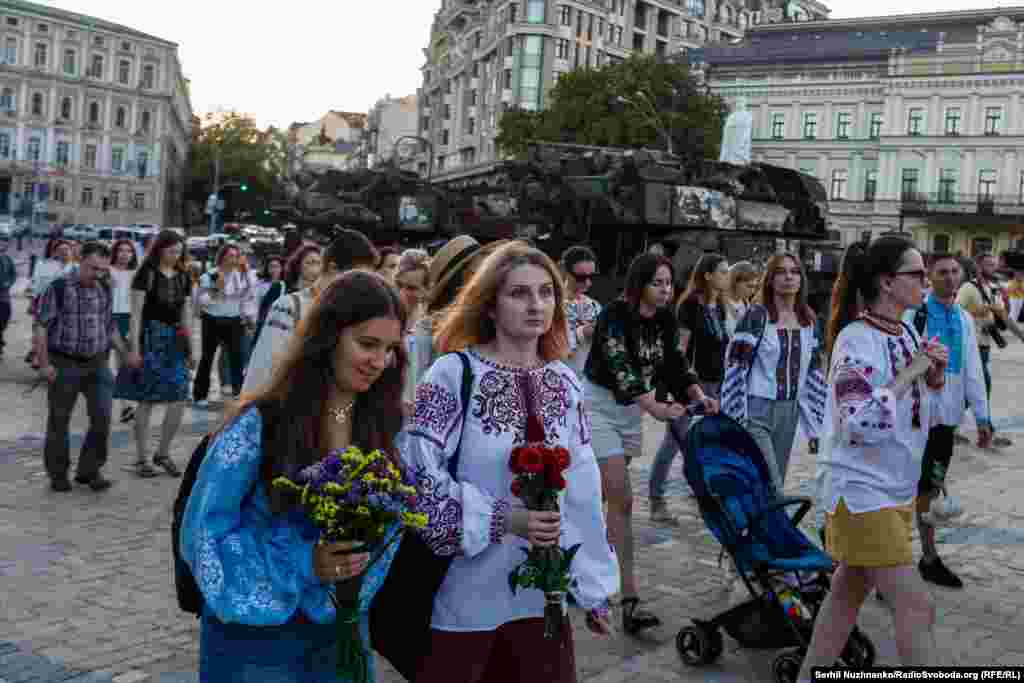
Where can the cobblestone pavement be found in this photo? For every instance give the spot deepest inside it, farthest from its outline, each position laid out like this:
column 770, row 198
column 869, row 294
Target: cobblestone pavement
column 88, row 591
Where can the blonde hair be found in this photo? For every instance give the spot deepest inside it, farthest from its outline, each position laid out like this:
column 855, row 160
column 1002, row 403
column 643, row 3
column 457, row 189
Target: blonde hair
column 467, row 321
column 741, row 271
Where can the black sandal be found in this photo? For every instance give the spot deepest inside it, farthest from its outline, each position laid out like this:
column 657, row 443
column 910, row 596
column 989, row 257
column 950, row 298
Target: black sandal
column 165, row 462
column 128, row 414
column 144, row 470
column 634, row 619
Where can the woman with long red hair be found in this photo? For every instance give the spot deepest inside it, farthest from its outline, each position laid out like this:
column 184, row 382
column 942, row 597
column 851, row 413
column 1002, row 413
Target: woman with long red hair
column 774, row 375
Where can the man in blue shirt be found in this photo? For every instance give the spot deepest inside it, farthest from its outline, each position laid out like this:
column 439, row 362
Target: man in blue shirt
column 942, row 317
column 8, row 276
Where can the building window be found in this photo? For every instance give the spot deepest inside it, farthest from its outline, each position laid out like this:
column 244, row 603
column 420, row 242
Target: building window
column 126, row 47
column 139, row 201
column 146, row 116
column 447, row 112
column 981, row 245
column 840, row 178
column 96, row 67
column 12, row 21
column 507, row 80
column 149, row 76
column 993, row 120
column 1020, row 188
column 947, row 185
column 953, row 121
column 565, row 15
column 117, row 160
column 89, row 160
column 115, row 199
column 63, row 153
column 34, row 149
column 908, row 187
column 65, row 108
column 121, row 117
column 562, row 48
column 5, row 148
column 870, row 185
column 470, row 126
column 810, row 125
column 37, row 104
column 94, row 112
column 843, row 124
column 86, row 196
column 875, row 126
column 7, row 99
column 58, row 193
column 513, row 13
column 11, row 51
column 69, row 62
column 124, row 72
column 695, row 7
column 915, row 121
column 42, row 28
column 778, row 126
column 142, row 161
column 986, row 185
column 40, row 55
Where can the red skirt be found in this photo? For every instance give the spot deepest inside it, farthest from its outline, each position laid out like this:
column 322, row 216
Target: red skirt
column 516, row 652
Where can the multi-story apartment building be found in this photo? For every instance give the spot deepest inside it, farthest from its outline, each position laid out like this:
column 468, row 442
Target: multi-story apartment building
column 912, row 122
column 486, row 56
column 90, row 111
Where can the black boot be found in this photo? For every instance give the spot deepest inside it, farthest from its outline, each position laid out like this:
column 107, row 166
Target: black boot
column 938, row 573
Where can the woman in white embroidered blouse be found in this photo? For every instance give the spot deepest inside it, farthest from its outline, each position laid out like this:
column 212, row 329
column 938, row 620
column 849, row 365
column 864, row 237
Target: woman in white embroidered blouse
column 773, row 366
column 877, row 417
column 510, row 321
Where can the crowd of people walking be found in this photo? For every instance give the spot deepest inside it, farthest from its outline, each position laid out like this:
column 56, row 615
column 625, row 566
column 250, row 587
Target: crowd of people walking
column 350, row 345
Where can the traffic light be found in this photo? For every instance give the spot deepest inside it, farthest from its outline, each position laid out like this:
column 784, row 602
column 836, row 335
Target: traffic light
column 266, row 212
column 245, row 187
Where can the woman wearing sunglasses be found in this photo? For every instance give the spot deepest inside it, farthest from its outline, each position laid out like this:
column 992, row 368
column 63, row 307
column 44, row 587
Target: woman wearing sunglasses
column 580, row 266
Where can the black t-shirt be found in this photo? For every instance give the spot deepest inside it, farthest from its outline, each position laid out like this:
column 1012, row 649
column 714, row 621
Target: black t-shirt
column 708, row 339
column 165, row 296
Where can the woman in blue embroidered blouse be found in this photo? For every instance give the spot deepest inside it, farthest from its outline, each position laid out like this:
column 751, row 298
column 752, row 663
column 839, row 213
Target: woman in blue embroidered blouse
column 256, row 559
column 774, row 375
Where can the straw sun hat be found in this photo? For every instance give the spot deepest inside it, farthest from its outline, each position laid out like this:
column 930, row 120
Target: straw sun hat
column 450, row 260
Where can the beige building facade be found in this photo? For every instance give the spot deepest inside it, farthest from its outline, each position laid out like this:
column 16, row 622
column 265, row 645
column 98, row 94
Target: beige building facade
column 90, row 111
column 911, row 122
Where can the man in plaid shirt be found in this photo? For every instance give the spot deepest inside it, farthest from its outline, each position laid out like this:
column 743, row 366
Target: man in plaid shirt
column 75, row 330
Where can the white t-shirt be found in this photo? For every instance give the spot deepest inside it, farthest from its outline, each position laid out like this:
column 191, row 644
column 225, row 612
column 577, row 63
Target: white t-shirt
column 120, row 287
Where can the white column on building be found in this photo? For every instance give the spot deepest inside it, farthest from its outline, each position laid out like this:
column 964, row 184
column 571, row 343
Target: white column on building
column 827, row 129
column 968, row 174
column 861, row 126
column 766, row 123
column 1007, row 186
column 935, row 120
column 825, row 171
column 930, row 181
column 1013, row 126
column 796, row 130
column 975, row 121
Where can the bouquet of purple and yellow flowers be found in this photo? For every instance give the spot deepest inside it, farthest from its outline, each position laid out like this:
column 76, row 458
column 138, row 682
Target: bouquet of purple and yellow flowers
column 357, row 497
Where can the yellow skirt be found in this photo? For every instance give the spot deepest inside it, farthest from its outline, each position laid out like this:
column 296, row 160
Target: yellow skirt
column 880, row 538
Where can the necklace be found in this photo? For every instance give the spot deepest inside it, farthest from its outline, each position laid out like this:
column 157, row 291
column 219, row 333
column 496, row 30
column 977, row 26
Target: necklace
column 341, row 415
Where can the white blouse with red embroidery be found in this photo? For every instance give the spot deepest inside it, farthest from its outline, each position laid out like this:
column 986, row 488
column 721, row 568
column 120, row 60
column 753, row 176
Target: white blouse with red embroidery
column 467, row 517
column 873, row 442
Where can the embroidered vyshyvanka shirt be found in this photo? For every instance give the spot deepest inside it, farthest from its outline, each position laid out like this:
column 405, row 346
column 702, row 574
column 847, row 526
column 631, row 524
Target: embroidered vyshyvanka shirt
column 580, row 311
column 873, row 442
column 467, row 517
column 777, row 364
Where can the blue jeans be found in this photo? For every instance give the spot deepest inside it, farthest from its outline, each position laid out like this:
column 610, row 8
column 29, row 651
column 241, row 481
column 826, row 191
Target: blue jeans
column 667, row 450
column 95, row 380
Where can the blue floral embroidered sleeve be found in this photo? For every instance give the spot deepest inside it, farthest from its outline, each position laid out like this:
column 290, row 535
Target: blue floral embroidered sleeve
column 252, row 567
column 463, row 519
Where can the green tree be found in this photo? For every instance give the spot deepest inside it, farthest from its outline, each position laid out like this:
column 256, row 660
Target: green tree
column 626, row 104
column 246, row 154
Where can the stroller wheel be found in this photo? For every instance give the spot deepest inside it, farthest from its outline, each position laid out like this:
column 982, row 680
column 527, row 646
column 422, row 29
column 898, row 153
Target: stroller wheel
column 699, row 645
column 786, row 667
column 859, row 652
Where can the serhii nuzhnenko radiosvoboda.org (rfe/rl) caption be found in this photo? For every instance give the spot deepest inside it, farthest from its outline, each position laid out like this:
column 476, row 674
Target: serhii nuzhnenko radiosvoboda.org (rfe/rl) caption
column 952, row 673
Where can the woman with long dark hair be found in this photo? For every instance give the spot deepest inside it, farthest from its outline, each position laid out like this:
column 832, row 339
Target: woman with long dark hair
column 265, row 579
column 509, row 320
column 303, row 267
column 703, row 335
column 636, row 350
column 124, row 262
column 774, row 377
column 579, row 263
column 882, row 383
column 161, row 313
column 224, row 295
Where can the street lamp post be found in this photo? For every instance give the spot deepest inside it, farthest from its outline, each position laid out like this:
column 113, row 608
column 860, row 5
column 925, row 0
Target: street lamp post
column 652, row 117
column 430, row 151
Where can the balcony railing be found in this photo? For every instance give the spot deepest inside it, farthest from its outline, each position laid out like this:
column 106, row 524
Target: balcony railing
column 944, row 202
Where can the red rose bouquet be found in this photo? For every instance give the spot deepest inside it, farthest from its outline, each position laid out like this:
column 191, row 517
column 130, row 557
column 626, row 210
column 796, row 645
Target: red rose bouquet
column 538, row 481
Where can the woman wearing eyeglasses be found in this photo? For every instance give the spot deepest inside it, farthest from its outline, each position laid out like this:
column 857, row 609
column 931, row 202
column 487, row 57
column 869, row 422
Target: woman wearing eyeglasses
column 580, row 266
column 883, row 382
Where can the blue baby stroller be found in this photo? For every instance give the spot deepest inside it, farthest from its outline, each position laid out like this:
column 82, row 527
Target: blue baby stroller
column 787, row 576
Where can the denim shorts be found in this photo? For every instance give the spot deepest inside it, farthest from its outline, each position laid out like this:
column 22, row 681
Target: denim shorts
column 615, row 429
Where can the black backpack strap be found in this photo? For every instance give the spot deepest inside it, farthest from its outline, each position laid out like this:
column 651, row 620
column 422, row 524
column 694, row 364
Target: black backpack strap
column 466, row 395
column 921, row 319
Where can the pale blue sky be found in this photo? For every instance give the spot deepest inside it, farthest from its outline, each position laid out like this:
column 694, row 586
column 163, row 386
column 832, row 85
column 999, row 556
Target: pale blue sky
column 294, row 60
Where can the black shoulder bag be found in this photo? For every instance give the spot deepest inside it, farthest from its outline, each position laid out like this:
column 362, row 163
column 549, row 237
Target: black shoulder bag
column 402, row 609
